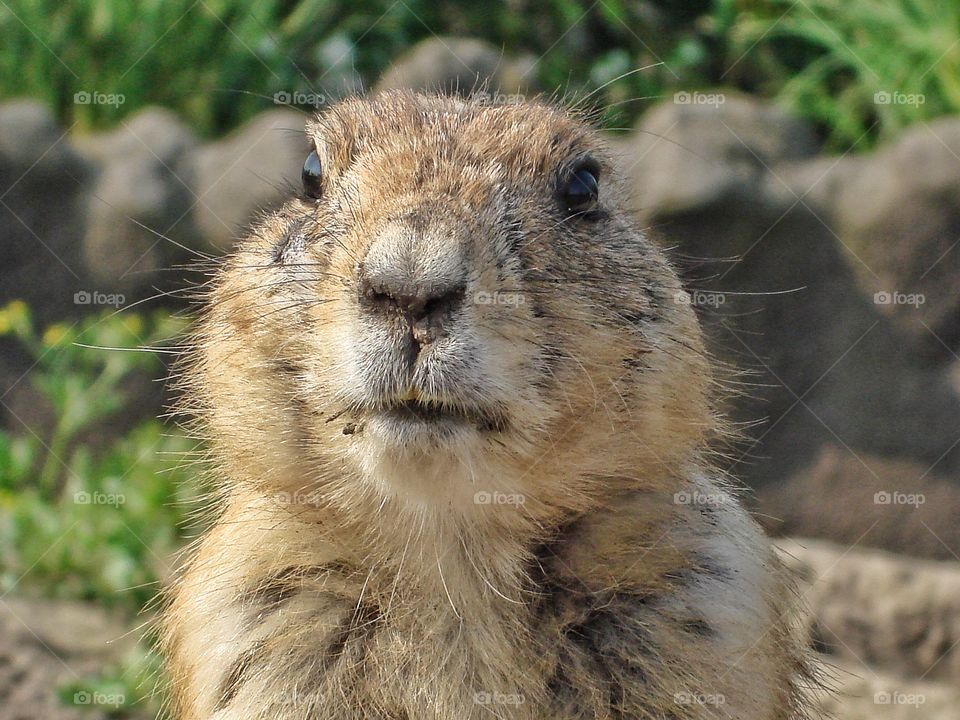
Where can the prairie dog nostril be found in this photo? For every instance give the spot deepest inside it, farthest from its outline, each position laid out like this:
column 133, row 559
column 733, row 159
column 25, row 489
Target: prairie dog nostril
column 415, row 302
column 442, row 303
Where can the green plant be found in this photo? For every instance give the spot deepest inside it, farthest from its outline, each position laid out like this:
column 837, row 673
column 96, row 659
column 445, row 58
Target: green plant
column 85, row 517
column 179, row 53
column 217, row 62
column 862, row 70
column 90, row 522
column 120, row 690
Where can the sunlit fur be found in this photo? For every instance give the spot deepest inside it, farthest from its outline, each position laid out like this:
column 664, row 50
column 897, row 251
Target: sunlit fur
column 536, row 558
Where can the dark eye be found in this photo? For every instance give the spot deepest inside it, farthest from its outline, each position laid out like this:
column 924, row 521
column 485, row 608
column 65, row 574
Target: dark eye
column 312, row 176
column 580, row 191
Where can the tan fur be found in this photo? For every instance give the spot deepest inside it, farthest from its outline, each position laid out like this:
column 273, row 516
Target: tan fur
column 356, row 571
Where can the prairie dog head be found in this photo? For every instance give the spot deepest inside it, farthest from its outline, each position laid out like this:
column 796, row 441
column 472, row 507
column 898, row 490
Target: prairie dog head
column 456, row 303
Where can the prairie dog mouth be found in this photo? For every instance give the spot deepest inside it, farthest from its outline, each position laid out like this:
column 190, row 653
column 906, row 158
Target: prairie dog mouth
column 413, row 408
column 417, row 408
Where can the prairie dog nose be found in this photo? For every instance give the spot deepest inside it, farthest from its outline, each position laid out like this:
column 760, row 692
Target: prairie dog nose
column 415, row 271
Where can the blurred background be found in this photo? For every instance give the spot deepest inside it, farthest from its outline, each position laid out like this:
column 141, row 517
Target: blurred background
column 800, row 159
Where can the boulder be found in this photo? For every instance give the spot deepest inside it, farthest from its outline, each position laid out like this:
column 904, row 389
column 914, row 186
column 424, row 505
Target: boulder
column 878, row 610
column 685, row 156
column 43, row 188
column 458, row 66
column 733, row 190
column 897, row 505
column 31, row 140
column 253, row 168
column 896, row 213
column 857, row 692
column 46, row 645
column 140, row 203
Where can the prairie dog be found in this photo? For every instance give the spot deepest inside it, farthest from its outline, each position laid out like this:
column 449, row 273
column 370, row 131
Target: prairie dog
column 460, row 416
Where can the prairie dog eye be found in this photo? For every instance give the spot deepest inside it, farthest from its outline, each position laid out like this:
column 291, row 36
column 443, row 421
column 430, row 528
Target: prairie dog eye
column 580, row 191
column 312, row 176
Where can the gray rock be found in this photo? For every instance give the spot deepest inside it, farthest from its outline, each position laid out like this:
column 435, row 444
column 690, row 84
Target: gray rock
column 141, row 202
column 899, row 216
column 457, row 65
column 897, row 505
column 31, row 138
column 722, row 152
column 45, row 645
column 782, row 301
column 893, row 613
column 155, row 131
column 43, row 186
column 858, row 692
column 251, row 169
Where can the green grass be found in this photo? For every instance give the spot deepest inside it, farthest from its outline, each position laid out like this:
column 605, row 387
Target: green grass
column 123, row 690
column 100, row 519
column 862, row 70
column 182, row 54
column 217, row 62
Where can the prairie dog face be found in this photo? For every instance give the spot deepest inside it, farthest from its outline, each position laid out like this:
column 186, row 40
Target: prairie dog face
column 456, row 286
